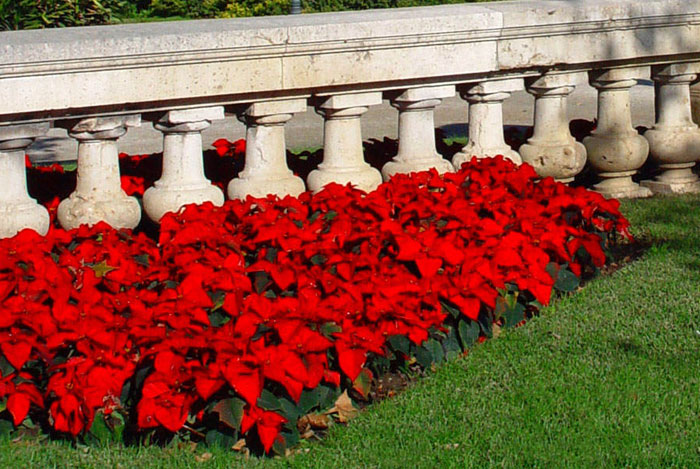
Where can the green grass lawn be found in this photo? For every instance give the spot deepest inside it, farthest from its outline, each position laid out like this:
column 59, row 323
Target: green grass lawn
column 608, row 377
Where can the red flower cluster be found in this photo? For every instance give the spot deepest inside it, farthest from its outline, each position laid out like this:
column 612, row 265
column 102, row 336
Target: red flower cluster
column 274, row 294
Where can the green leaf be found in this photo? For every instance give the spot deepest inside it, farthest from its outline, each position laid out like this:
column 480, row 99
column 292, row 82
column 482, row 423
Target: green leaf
column 262, row 280
column 330, row 215
column 289, row 410
column 567, row 281
column 218, row 318
column 142, row 259
column 230, row 412
column 308, row 400
column 423, row 356
column 435, row 349
column 454, row 312
column 318, row 259
column 451, row 343
column 514, row 315
column 271, row 254
column 219, row 439
column 268, row 401
column 363, row 383
column 101, row 269
column 468, row 333
column 330, row 328
column 218, row 297
column 5, row 367
column 100, row 431
column 400, row 343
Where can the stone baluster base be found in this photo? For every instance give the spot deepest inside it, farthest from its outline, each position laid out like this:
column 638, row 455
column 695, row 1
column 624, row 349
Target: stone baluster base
column 552, row 151
column 343, row 158
column 486, row 120
column 615, row 150
column 17, row 209
column 266, row 171
column 417, row 150
column 182, row 181
column 98, row 195
column 674, row 141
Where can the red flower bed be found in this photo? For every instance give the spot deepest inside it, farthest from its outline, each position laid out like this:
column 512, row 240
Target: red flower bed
column 242, row 319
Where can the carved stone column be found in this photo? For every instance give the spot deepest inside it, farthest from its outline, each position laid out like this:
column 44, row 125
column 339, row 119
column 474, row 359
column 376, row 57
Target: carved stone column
column 615, row 149
column 695, row 102
column 552, row 151
column 417, row 131
column 17, row 209
column 343, row 158
column 266, row 171
column 182, row 181
column 98, row 194
column 486, row 120
column 674, row 141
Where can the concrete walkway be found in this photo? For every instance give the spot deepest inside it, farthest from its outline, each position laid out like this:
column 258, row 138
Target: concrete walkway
column 306, row 130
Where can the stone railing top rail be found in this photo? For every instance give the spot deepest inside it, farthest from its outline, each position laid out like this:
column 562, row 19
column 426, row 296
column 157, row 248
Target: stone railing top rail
column 147, row 67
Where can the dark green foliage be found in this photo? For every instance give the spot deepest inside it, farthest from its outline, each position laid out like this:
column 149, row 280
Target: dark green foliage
column 36, row 14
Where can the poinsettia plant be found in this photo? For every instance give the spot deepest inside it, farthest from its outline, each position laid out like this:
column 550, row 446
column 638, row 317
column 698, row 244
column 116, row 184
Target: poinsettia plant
column 245, row 321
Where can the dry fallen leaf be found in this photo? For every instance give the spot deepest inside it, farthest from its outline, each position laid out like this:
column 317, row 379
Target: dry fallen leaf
column 496, row 330
column 343, row 408
column 313, row 421
column 203, row 457
column 239, row 446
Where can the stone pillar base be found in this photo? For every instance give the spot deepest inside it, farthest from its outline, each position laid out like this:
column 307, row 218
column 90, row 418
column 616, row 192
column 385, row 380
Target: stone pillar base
column 621, row 188
column 365, row 178
column 414, row 166
column 280, row 186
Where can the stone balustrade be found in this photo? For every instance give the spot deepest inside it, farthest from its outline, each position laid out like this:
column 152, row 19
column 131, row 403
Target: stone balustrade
column 180, row 76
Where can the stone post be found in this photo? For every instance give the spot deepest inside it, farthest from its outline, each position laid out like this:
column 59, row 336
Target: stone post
column 17, row 209
column 552, row 151
column 182, row 181
column 615, row 149
column 343, row 158
column 674, row 141
column 486, row 120
column 266, row 171
column 695, row 102
column 98, row 194
column 417, row 150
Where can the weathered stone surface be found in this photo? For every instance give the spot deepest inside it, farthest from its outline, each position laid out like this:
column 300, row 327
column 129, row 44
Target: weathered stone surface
column 417, row 150
column 266, row 171
column 486, row 121
column 615, row 149
column 674, row 142
column 17, row 209
column 343, row 158
column 552, row 151
column 98, row 196
column 182, row 181
column 159, row 66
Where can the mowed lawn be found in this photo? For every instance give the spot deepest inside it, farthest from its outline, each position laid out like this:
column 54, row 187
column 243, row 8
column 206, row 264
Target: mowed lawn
column 607, row 377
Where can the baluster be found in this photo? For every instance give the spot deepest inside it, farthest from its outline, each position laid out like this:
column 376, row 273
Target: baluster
column 552, row 151
column 695, row 102
column 674, row 141
column 266, row 171
column 343, row 158
column 417, row 150
column 486, row 120
column 17, row 209
column 615, row 149
column 182, row 181
column 98, row 194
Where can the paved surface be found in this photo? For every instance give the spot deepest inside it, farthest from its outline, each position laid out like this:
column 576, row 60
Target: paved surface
column 306, row 130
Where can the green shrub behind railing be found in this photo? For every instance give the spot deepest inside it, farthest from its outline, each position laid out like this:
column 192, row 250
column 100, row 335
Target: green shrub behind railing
column 35, row 14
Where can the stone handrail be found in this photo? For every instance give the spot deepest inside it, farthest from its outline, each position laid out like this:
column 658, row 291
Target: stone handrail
column 98, row 81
